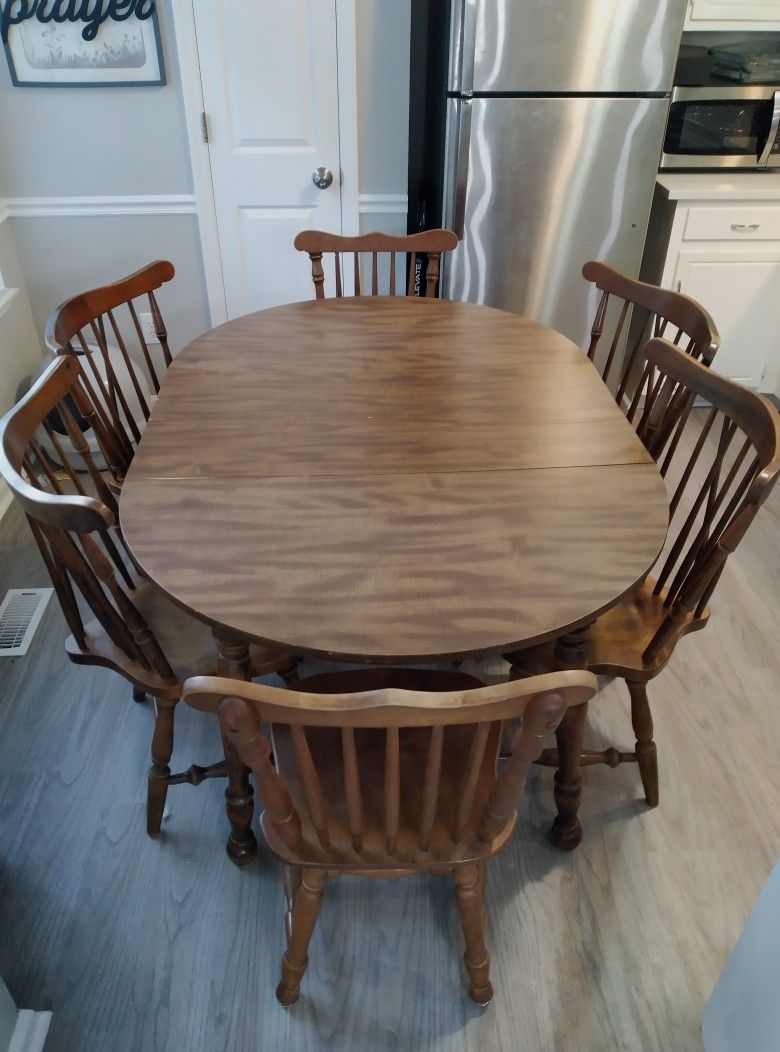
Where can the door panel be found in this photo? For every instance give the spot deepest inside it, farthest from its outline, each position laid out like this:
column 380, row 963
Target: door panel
column 572, row 45
column 739, row 288
column 269, row 74
column 552, row 183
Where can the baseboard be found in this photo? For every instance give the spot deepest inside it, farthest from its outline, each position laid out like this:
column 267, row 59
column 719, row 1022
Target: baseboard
column 30, row 1032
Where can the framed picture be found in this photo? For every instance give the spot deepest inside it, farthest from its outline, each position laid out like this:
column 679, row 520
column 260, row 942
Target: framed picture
column 68, row 53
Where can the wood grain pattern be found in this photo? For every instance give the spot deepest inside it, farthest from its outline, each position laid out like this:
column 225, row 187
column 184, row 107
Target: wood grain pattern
column 653, row 311
column 428, row 244
column 136, row 944
column 354, row 391
column 89, row 325
column 391, row 719
column 717, row 485
column 391, row 500
column 73, row 515
column 470, row 561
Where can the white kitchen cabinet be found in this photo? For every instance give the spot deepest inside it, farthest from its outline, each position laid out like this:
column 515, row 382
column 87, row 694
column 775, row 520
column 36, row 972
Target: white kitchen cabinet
column 741, row 286
column 718, row 240
column 732, row 15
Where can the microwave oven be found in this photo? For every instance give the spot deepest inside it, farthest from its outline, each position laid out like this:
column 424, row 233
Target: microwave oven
column 723, row 127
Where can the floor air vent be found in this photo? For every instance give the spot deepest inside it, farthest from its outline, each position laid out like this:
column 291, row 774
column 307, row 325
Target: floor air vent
column 20, row 614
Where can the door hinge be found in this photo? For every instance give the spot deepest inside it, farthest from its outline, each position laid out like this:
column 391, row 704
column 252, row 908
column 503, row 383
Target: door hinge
column 204, row 126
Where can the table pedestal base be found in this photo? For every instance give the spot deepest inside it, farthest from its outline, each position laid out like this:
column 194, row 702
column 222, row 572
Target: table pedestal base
column 571, row 651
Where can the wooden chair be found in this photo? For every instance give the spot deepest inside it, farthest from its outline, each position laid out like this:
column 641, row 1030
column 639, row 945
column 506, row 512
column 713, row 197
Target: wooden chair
column 716, row 491
column 91, row 325
column 135, row 630
column 647, row 308
column 430, row 243
column 398, row 775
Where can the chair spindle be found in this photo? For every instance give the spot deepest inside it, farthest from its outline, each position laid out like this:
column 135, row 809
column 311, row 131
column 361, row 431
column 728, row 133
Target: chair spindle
column 352, row 793
column 315, row 798
column 469, row 783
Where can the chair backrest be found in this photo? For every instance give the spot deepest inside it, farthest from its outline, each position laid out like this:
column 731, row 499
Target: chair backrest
column 430, row 243
column 73, row 512
column 717, row 488
column 652, row 311
column 103, row 328
column 403, row 827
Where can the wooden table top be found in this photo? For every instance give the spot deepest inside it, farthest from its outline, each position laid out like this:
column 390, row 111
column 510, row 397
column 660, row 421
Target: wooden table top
column 391, row 479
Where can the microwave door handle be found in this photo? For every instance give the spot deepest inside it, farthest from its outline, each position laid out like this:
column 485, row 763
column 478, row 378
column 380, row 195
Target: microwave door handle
column 766, row 156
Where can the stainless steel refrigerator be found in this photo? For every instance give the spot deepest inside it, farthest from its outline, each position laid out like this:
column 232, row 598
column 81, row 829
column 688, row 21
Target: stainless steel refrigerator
column 535, row 133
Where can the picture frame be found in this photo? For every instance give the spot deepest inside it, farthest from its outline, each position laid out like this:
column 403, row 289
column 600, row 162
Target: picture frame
column 52, row 54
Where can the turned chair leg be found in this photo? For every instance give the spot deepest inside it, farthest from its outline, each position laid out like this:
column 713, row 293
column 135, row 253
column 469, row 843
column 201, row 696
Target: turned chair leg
column 239, row 806
column 646, row 754
column 566, row 832
column 291, row 880
column 290, row 674
column 306, row 908
column 159, row 772
column 470, row 897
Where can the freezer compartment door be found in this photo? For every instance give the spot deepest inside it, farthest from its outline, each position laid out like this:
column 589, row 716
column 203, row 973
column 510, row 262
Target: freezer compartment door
column 558, row 46
column 545, row 185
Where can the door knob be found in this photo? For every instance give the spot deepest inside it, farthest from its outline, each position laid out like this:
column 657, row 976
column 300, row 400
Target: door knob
column 322, row 178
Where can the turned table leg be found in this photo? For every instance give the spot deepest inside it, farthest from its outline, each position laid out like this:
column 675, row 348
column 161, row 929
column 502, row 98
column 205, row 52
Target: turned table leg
column 571, row 651
column 239, row 803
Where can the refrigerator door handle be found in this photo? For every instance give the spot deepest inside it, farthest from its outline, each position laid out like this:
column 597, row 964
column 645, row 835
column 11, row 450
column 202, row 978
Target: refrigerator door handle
column 461, row 169
column 463, row 34
column 766, row 156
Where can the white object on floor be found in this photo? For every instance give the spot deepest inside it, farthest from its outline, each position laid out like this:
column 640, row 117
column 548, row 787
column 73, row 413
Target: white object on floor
column 21, row 1031
column 20, row 614
column 743, row 1012
column 125, row 382
column 30, row 1032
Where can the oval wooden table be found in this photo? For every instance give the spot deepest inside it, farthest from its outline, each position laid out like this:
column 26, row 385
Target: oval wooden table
column 393, row 480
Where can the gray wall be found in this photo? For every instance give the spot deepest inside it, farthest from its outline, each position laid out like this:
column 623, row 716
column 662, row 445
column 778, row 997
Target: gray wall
column 383, row 94
column 73, row 142
column 85, row 141
column 58, row 266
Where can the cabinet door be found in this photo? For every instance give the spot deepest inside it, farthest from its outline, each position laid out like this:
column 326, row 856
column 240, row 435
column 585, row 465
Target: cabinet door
column 734, row 11
column 740, row 287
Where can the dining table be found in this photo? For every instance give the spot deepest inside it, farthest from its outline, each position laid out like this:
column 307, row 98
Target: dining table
column 394, row 481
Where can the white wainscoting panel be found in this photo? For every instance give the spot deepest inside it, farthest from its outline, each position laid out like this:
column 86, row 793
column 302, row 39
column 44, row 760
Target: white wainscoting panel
column 143, row 204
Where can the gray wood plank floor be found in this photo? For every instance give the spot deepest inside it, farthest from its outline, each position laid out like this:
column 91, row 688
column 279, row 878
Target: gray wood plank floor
column 141, row 945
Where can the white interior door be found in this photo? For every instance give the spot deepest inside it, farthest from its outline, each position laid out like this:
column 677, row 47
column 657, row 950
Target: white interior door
column 270, row 86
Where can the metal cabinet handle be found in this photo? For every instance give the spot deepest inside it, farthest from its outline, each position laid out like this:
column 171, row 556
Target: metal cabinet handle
column 322, row 178
column 745, row 226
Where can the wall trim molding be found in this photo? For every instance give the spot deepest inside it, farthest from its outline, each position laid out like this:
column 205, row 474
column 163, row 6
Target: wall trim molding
column 383, row 204
column 139, row 204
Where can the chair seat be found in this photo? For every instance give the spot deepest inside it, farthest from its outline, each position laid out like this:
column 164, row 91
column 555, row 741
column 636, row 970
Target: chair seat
column 187, row 643
column 326, row 750
column 618, row 639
